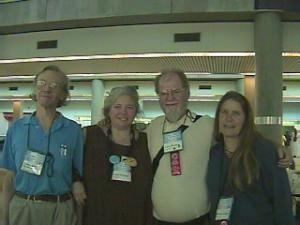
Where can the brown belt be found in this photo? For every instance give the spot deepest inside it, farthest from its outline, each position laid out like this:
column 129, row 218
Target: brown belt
column 45, row 198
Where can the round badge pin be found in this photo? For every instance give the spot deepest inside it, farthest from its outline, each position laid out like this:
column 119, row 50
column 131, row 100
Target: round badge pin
column 114, row 159
column 131, row 162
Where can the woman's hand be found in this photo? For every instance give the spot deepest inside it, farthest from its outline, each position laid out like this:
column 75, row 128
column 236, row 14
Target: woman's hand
column 79, row 193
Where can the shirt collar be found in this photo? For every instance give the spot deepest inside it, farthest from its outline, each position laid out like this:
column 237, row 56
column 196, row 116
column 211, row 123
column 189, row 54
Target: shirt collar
column 184, row 120
column 32, row 119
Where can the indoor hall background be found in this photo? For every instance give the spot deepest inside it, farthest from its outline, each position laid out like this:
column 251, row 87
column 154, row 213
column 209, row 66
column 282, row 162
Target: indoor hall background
column 131, row 41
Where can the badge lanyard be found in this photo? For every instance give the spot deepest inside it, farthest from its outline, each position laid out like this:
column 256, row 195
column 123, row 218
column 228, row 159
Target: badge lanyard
column 49, row 156
column 177, row 143
column 226, row 199
column 160, row 153
column 116, row 162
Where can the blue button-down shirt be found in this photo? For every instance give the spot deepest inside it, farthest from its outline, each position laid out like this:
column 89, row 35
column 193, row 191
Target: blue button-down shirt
column 65, row 144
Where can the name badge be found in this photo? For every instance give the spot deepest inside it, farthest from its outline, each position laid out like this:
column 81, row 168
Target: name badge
column 224, row 208
column 173, row 141
column 33, row 162
column 121, row 170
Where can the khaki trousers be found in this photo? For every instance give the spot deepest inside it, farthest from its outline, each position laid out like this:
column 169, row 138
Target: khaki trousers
column 29, row 212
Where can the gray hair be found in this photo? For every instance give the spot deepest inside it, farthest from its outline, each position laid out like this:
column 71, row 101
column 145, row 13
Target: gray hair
column 114, row 94
column 65, row 83
column 184, row 81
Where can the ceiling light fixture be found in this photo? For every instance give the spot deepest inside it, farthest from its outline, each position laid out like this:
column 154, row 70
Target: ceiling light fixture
column 291, row 54
column 136, row 55
column 124, row 56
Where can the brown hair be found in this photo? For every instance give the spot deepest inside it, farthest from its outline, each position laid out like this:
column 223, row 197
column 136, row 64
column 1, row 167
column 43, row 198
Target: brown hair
column 65, row 83
column 184, row 81
column 244, row 168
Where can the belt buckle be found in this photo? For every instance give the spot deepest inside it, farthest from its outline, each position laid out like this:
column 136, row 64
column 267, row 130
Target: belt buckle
column 36, row 200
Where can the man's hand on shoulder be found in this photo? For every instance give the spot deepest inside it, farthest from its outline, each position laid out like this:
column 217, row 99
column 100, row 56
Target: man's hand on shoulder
column 285, row 158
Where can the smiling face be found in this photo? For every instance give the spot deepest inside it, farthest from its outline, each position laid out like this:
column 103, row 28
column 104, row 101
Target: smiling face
column 173, row 97
column 231, row 119
column 49, row 89
column 122, row 112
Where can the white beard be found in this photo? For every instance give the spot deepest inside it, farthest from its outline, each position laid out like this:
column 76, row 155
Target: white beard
column 174, row 115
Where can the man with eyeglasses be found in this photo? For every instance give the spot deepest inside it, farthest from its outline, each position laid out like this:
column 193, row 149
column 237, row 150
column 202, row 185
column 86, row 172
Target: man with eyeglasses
column 40, row 153
column 179, row 144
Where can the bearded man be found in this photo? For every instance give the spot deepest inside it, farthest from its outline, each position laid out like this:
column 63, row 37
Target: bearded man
column 179, row 144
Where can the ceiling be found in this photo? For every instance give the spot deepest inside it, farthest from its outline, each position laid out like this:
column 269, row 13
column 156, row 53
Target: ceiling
column 123, row 67
column 200, row 64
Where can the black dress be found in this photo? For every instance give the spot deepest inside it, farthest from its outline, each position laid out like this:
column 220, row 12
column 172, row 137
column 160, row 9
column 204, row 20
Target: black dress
column 116, row 202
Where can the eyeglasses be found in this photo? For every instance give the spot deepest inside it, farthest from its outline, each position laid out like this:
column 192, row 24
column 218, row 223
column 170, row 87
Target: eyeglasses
column 176, row 93
column 43, row 83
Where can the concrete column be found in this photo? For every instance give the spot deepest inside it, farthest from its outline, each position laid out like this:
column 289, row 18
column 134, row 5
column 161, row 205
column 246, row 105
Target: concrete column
column 268, row 78
column 240, row 86
column 246, row 87
column 17, row 110
column 141, row 104
column 97, row 101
